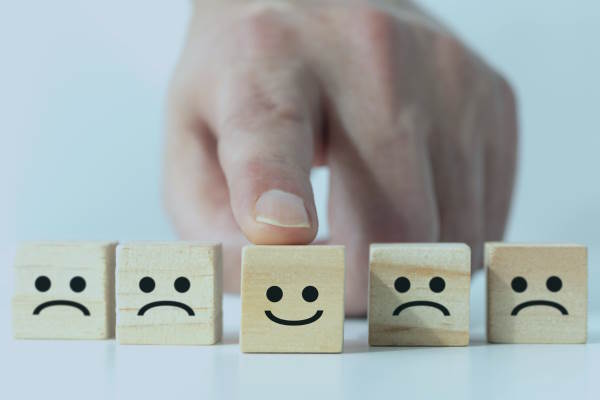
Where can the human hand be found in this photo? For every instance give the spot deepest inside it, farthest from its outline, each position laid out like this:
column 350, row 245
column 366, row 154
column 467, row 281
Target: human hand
column 418, row 132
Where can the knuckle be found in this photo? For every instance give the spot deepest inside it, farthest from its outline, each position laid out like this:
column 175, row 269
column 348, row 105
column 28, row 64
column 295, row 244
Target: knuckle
column 262, row 102
column 451, row 52
column 457, row 65
column 259, row 105
column 264, row 28
column 376, row 42
column 460, row 75
column 270, row 167
column 377, row 34
column 507, row 113
column 508, row 96
column 258, row 114
column 378, row 25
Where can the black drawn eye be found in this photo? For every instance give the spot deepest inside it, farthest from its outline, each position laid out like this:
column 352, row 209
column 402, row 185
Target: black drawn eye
column 77, row 284
column 437, row 284
column 519, row 284
column 182, row 284
column 310, row 294
column 274, row 294
column 42, row 283
column 554, row 284
column 147, row 284
column 402, row 284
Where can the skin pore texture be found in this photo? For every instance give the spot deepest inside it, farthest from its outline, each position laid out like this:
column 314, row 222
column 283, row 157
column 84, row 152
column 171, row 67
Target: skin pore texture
column 418, row 132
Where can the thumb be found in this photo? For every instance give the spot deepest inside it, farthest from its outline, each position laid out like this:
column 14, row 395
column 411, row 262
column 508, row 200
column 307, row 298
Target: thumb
column 265, row 129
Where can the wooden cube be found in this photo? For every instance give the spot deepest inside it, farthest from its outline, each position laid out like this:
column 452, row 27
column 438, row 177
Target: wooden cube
column 64, row 290
column 169, row 293
column 536, row 293
column 419, row 294
column 292, row 299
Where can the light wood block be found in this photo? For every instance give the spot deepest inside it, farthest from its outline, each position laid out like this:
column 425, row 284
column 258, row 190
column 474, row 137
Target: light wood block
column 292, row 299
column 64, row 290
column 419, row 294
column 536, row 293
column 169, row 293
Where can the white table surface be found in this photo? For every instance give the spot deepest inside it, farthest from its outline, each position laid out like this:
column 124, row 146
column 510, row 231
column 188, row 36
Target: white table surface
column 103, row 369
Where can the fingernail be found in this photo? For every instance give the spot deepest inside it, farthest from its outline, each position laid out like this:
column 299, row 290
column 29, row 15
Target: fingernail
column 279, row 208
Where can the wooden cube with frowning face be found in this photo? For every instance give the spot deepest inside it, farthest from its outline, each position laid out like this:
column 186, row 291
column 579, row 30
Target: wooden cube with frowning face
column 292, row 299
column 168, row 293
column 64, row 290
column 419, row 294
column 536, row 293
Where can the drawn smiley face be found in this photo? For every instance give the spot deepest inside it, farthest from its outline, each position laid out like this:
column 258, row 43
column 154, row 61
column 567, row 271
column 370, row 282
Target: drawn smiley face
column 309, row 294
column 436, row 285
column 77, row 285
column 292, row 299
column 181, row 285
column 553, row 284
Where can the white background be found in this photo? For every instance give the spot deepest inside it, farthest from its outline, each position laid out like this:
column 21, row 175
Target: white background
column 81, row 96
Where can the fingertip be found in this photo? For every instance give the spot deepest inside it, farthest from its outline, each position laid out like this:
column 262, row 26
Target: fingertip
column 281, row 236
column 281, row 217
column 281, row 209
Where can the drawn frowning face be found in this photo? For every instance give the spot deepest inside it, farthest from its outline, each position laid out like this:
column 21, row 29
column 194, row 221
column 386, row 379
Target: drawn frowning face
column 169, row 293
column 419, row 294
column 553, row 284
column 64, row 290
column 181, row 285
column 536, row 293
column 436, row 284
column 43, row 285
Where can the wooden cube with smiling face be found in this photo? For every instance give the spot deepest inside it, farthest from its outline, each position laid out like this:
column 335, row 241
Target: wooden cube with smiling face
column 292, row 299
column 419, row 294
column 536, row 293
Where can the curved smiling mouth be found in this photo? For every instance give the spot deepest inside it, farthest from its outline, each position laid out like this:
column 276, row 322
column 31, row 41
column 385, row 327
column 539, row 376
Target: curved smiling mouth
column 433, row 304
column 69, row 303
column 548, row 303
column 177, row 304
column 306, row 321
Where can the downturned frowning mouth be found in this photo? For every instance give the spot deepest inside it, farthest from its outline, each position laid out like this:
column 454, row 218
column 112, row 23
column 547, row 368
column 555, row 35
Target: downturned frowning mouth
column 167, row 303
column 69, row 303
column 433, row 304
column 531, row 303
